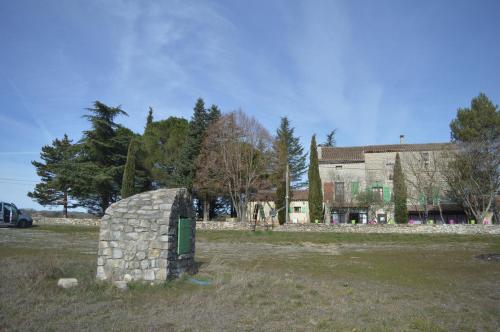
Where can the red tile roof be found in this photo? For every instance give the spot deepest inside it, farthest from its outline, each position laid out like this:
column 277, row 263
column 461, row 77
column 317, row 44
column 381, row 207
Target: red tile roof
column 357, row 153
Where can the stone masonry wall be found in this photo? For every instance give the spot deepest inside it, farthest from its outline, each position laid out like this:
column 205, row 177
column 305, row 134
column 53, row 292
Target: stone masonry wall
column 341, row 228
column 349, row 228
column 138, row 237
column 38, row 220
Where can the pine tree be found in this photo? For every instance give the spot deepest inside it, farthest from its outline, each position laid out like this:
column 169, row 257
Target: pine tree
column 162, row 151
column 102, row 156
column 330, row 139
column 213, row 115
column 399, row 193
column 315, row 194
column 192, row 146
column 280, row 181
column 128, row 182
column 207, row 195
column 56, row 173
column 480, row 122
column 287, row 150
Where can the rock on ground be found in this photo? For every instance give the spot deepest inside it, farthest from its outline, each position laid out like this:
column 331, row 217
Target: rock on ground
column 67, row 282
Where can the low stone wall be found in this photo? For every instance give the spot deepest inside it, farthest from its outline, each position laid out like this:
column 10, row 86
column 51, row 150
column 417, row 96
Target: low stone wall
column 342, row 228
column 385, row 229
column 66, row 221
column 222, row 225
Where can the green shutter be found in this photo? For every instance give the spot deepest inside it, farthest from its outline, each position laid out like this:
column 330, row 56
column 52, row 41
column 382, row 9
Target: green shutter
column 421, row 199
column 387, row 194
column 435, row 196
column 184, row 236
column 354, row 188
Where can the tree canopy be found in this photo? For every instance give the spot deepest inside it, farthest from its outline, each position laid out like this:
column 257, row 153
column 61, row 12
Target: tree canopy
column 56, row 175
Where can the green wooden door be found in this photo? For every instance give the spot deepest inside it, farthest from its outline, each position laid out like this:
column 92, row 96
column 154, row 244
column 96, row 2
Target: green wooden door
column 184, row 236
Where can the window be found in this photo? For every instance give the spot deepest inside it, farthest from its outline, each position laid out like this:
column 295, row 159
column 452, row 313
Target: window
column 378, row 192
column 339, row 192
column 354, row 188
column 338, row 166
column 425, row 158
column 297, row 209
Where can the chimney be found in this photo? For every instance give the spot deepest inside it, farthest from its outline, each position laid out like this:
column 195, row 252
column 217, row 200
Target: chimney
column 401, row 139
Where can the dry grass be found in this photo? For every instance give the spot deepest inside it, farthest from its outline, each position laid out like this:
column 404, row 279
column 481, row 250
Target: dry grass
column 278, row 281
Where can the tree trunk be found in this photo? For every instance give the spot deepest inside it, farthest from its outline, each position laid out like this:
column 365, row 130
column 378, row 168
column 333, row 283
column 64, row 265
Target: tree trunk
column 206, row 208
column 65, row 204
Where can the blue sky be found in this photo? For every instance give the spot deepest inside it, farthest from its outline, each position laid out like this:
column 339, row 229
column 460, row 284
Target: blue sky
column 371, row 69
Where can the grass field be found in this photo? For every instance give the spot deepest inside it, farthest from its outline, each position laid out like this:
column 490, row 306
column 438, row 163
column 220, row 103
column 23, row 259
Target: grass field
column 259, row 281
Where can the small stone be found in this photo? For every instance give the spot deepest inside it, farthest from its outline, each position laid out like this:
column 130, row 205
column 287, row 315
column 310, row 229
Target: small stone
column 101, row 275
column 117, row 253
column 144, row 264
column 121, row 284
column 132, row 236
column 149, row 275
column 67, row 282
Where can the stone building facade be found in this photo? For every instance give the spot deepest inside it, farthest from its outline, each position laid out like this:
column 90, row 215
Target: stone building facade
column 261, row 204
column 347, row 171
column 147, row 237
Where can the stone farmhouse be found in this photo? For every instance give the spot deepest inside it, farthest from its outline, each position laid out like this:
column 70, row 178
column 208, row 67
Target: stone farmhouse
column 347, row 171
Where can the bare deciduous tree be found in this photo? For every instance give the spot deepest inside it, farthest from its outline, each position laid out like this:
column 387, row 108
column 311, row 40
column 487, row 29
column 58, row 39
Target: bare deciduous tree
column 473, row 175
column 426, row 181
column 235, row 159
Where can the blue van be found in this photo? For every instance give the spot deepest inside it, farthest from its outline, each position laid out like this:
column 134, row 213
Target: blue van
column 10, row 215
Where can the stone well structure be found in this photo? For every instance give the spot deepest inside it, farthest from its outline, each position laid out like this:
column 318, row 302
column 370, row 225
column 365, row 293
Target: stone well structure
column 147, row 237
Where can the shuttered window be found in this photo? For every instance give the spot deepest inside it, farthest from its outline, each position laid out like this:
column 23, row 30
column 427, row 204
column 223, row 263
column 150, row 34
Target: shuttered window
column 354, row 188
column 387, row 194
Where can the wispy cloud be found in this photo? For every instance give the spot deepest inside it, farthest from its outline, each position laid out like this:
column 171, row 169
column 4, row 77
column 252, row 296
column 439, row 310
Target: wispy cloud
column 37, row 120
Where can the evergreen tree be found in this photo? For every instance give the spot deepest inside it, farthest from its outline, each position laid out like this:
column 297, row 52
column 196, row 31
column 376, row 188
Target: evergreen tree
column 149, row 119
column 399, row 193
column 213, row 115
column 280, row 181
column 207, row 195
column 128, row 182
column 480, row 122
column 56, row 173
column 287, row 149
column 162, row 150
column 330, row 139
column 315, row 194
column 192, row 146
column 102, row 156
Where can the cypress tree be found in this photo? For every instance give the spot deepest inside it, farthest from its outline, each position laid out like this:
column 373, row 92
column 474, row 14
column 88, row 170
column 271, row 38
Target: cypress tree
column 128, row 182
column 400, row 195
column 149, row 119
column 315, row 194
